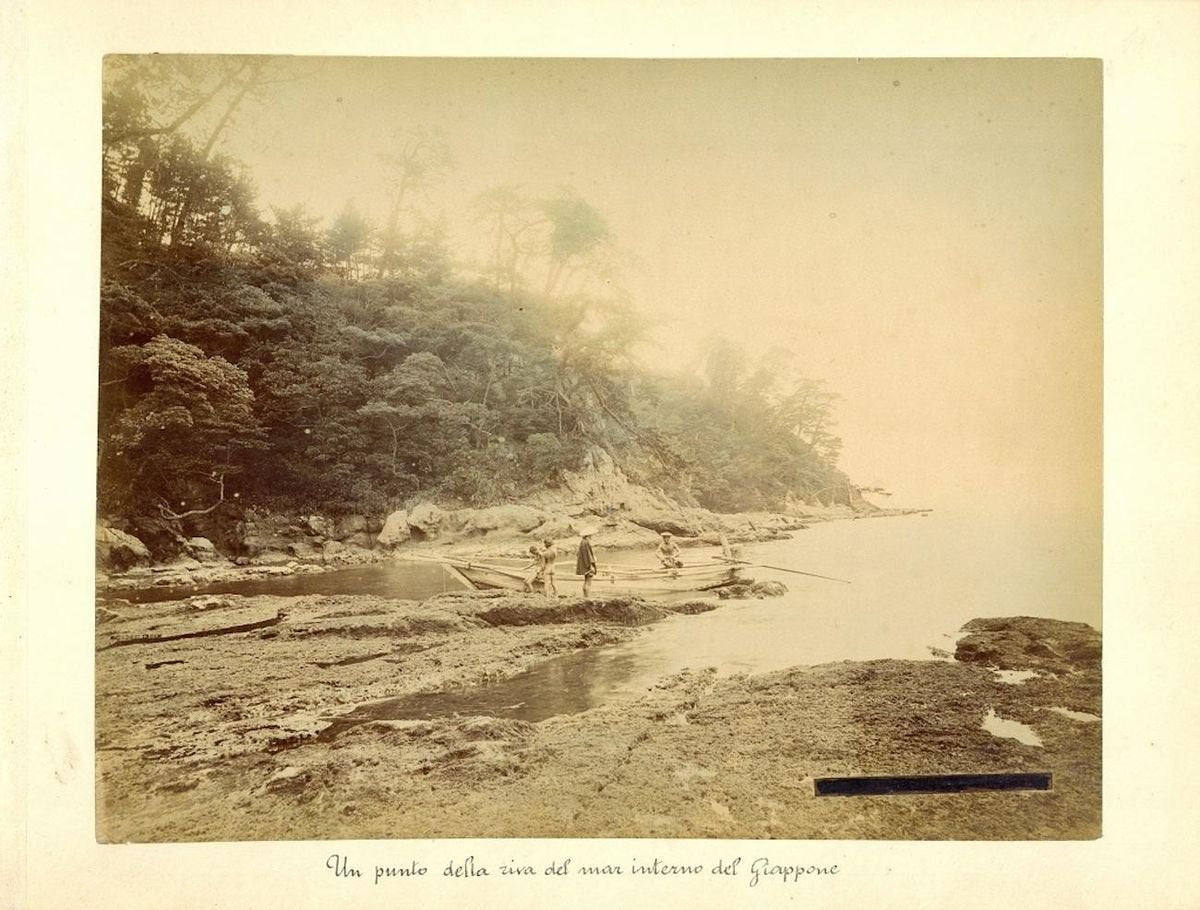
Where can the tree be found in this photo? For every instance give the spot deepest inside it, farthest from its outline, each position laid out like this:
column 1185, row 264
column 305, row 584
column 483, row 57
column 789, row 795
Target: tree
column 154, row 95
column 125, row 317
column 293, row 245
column 258, row 361
column 179, row 425
column 724, row 371
column 170, row 113
column 193, row 200
column 419, row 159
column 752, row 432
column 805, row 410
column 420, row 256
column 346, row 239
column 427, row 428
column 148, row 99
column 513, row 221
column 576, row 230
column 249, row 78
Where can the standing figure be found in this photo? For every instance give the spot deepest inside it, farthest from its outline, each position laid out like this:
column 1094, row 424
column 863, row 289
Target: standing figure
column 585, row 561
column 668, row 552
column 549, row 556
column 534, row 578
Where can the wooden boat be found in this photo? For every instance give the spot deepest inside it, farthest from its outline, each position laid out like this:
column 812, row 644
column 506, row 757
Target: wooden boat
column 511, row 574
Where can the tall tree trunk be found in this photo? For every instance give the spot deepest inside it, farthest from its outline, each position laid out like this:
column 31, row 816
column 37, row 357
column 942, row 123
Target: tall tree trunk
column 135, row 178
column 194, row 108
column 189, row 200
column 390, row 238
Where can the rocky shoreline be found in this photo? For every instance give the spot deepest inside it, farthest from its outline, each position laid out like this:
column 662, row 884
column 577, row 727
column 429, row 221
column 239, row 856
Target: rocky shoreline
column 210, row 710
column 297, row 546
column 235, row 543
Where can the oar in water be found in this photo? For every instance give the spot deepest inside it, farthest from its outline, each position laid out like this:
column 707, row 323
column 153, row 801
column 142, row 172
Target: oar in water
column 759, row 565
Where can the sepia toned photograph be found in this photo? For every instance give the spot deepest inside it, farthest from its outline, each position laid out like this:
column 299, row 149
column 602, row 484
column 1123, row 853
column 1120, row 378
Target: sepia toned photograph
column 599, row 448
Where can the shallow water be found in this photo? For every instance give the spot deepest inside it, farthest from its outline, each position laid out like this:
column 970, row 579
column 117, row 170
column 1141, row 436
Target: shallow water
column 567, row 684
column 915, row 582
column 1082, row 716
column 403, row 579
column 1010, row 729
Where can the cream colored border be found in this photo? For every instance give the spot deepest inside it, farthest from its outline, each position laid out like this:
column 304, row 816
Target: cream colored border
column 1152, row 71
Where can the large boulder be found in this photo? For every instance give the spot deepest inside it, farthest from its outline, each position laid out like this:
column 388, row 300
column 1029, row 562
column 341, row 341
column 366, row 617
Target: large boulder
column 318, row 526
column 623, row 535
column 348, row 525
column 517, row 519
column 202, row 548
column 361, row 539
column 255, row 544
column 556, row 527
column 159, row 535
column 395, row 530
column 425, row 520
column 118, row 550
column 660, row 521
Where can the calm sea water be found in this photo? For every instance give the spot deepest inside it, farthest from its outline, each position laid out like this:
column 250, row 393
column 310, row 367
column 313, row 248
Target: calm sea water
column 915, row 580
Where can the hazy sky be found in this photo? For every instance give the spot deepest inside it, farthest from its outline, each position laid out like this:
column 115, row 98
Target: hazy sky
column 923, row 235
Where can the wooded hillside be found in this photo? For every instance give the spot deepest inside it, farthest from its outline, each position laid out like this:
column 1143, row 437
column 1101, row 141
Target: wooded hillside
column 251, row 357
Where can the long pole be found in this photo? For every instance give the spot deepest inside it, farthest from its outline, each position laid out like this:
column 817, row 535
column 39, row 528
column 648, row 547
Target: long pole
column 760, row 565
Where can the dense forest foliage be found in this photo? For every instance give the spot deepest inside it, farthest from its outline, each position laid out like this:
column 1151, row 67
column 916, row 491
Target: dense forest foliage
column 267, row 358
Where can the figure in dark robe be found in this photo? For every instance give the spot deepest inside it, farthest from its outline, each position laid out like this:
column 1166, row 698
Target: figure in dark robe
column 585, row 561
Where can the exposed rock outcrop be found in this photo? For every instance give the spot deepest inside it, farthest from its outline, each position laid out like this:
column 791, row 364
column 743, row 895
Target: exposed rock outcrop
column 318, row 526
column 517, row 518
column 752, row 589
column 348, row 526
column 425, row 520
column 661, row 520
column 1027, row 642
column 202, row 549
column 395, row 530
column 117, row 550
column 601, row 487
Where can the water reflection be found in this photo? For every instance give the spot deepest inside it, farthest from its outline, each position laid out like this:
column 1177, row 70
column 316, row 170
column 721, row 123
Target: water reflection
column 568, row 684
column 404, row 580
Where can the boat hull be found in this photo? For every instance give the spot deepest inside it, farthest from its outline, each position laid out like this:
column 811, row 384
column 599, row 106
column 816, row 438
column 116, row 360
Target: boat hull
column 630, row 582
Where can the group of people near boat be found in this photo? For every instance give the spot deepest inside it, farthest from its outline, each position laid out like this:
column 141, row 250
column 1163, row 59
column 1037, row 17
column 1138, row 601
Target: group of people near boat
column 545, row 556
